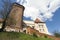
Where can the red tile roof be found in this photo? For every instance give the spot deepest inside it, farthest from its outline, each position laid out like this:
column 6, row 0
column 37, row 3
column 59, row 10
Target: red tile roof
column 1, row 20
column 38, row 21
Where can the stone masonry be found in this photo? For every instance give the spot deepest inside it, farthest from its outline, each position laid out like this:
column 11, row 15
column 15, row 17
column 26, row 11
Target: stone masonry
column 15, row 18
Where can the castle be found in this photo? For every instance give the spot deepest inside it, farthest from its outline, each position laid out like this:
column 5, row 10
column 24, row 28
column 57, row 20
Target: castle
column 37, row 25
column 14, row 21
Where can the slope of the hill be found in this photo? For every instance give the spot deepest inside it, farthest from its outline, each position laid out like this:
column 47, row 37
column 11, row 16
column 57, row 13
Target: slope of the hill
column 19, row 36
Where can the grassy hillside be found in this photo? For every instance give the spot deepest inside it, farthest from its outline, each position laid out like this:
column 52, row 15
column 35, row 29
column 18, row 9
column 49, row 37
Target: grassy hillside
column 19, row 36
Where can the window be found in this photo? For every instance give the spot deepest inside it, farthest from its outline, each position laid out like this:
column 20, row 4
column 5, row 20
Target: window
column 40, row 29
column 33, row 27
column 41, row 26
column 43, row 29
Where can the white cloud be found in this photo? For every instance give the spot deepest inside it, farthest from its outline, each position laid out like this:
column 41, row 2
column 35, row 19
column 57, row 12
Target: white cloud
column 31, row 12
column 34, row 8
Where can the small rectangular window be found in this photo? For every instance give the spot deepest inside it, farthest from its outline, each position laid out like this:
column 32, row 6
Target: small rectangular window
column 40, row 29
column 41, row 26
column 43, row 29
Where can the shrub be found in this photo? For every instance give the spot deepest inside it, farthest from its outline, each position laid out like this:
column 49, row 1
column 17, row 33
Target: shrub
column 34, row 35
column 57, row 34
column 45, row 36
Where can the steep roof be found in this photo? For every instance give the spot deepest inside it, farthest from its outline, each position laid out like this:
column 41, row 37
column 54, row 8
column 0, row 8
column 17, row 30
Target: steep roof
column 38, row 21
column 1, row 20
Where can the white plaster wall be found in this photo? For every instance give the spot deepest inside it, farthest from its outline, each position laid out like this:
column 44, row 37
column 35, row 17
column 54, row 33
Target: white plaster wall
column 0, row 25
column 36, row 26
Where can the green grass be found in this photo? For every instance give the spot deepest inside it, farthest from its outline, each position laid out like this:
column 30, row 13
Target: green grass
column 19, row 36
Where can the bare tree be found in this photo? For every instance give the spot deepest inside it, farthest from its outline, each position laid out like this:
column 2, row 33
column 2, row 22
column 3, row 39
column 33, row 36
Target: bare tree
column 56, row 33
column 6, row 5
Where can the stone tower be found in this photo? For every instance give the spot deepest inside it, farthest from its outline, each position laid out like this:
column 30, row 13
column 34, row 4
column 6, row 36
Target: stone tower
column 15, row 18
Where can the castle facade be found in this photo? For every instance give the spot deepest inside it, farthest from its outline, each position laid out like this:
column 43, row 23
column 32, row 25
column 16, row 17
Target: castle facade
column 37, row 25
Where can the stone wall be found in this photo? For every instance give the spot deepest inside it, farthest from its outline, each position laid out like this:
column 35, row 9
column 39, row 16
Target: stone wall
column 15, row 18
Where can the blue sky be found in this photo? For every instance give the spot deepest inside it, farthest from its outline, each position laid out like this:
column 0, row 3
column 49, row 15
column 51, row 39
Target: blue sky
column 55, row 23
column 49, row 9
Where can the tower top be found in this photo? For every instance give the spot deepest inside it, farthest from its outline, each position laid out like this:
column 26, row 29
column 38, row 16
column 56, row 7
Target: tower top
column 18, row 5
